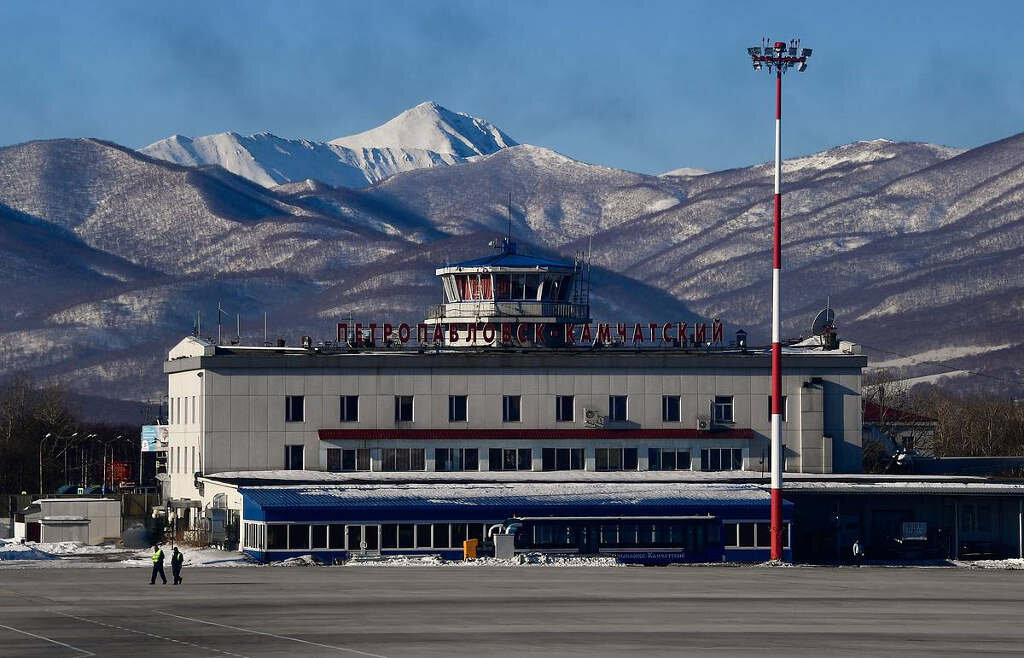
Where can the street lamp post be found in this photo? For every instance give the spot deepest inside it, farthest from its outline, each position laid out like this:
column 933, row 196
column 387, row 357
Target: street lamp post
column 42, row 441
column 777, row 57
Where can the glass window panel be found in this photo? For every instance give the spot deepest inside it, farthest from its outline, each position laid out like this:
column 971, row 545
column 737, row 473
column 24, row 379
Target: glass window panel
column 318, row 537
column 441, row 536
column 457, row 408
column 348, row 460
column 459, row 534
column 562, row 459
column 389, row 536
column 370, row 536
column 471, row 459
column 494, row 460
column 401, row 459
column 670, row 408
column 737, row 459
column 716, row 460
column 298, row 536
column 334, row 459
column 576, row 459
column 406, row 535
column 277, row 536
column 336, row 537
column 683, row 460
column 354, row 537
column 508, row 459
column 614, row 459
column 476, row 531
column 362, row 459
column 629, row 459
column 423, row 533
column 547, row 456
column 668, row 460
column 730, row 536
column 511, row 405
column 601, row 459
column 764, row 535
column 653, row 459
column 441, row 459
column 525, row 459
column 417, row 459
column 746, row 531
column 389, row 459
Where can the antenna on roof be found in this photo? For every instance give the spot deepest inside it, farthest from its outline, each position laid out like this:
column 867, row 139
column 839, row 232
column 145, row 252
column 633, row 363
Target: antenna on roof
column 219, row 310
column 264, row 328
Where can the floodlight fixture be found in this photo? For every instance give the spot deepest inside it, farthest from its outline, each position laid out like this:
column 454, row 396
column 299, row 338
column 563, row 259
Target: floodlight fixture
column 780, row 47
column 801, row 67
column 806, row 52
column 754, row 51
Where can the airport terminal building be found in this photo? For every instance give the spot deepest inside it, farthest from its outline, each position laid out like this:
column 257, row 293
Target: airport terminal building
column 509, row 383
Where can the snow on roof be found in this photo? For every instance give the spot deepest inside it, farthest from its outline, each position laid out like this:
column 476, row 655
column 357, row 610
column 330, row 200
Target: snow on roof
column 504, row 495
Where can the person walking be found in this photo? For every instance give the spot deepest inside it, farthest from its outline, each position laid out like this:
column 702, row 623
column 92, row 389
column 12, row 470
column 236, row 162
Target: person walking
column 158, row 566
column 177, row 560
column 858, row 551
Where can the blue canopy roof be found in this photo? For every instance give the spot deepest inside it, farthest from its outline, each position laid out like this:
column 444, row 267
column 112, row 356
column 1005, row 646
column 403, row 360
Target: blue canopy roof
column 446, row 501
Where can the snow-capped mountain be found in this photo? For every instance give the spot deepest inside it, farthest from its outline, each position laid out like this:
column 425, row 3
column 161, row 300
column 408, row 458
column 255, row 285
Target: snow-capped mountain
column 427, row 135
column 110, row 253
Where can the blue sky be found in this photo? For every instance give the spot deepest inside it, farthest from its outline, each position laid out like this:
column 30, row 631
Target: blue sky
column 647, row 86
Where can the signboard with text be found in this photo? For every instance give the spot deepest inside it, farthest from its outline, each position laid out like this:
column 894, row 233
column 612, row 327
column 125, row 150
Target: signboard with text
column 154, row 438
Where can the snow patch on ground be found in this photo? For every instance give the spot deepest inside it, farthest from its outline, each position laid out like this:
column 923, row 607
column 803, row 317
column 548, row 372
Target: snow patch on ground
column 521, row 560
column 194, row 557
column 1011, row 564
column 14, row 551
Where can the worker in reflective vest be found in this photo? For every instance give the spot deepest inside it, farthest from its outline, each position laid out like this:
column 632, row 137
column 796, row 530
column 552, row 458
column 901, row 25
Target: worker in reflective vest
column 177, row 560
column 158, row 566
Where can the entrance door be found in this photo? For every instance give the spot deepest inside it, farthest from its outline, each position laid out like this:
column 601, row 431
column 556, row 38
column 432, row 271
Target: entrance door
column 363, row 539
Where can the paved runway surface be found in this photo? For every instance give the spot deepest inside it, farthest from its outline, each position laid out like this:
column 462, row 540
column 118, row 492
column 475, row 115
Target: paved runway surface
column 353, row 611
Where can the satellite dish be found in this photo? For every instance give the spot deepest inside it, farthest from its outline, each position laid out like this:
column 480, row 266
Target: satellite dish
column 825, row 319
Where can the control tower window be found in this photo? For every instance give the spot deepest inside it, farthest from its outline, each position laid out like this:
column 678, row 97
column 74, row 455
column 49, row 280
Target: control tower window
column 503, row 286
column 532, row 285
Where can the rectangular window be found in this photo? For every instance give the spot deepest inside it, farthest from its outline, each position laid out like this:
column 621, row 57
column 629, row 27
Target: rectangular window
column 318, row 536
column 334, row 459
column 511, row 409
column 615, row 459
column 562, row 459
column 721, row 459
column 294, row 408
column 457, row 408
column 336, row 537
column 721, row 411
column 403, row 408
column 456, row 459
column 403, row 459
column 194, row 419
column 510, row 459
column 389, row 535
column 441, row 536
column 277, row 536
column 349, row 405
column 616, row 407
column 784, row 408
column 423, row 536
column 406, row 535
column 670, row 408
column 668, row 459
column 293, row 458
column 298, row 536
column 564, row 408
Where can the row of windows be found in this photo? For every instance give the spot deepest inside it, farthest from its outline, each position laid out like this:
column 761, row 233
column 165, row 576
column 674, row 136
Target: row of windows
column 304, row 536
column 511, row 408
column 182, row 410
column 751, row 534
column 643, row 534
column 521, row 459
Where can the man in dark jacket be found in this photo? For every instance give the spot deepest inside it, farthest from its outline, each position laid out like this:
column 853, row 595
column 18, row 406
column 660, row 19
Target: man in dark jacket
column 177, row 559
column 158, row 566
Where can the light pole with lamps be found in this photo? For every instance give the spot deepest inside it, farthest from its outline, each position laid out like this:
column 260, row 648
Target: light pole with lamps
column 777, row 57
column 42, row 441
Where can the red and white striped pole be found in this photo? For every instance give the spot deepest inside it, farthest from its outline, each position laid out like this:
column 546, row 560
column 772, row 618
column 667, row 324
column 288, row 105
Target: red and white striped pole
column 780, row 57
column 776, row 526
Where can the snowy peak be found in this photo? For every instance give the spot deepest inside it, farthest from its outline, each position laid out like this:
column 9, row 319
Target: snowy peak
column 431, row 127
column 427, row 135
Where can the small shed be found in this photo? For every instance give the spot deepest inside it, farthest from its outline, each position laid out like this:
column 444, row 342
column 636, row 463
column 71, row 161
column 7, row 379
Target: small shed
column 83, row 520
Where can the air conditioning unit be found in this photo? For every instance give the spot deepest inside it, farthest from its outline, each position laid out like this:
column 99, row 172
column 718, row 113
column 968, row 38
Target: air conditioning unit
column 704, row 423
column 593, row 418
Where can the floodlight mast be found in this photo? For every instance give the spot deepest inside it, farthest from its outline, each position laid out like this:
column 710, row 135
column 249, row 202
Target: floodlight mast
column 779, row 56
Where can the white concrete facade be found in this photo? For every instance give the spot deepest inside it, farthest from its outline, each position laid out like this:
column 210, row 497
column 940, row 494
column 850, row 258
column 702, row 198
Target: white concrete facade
column 227, row 405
